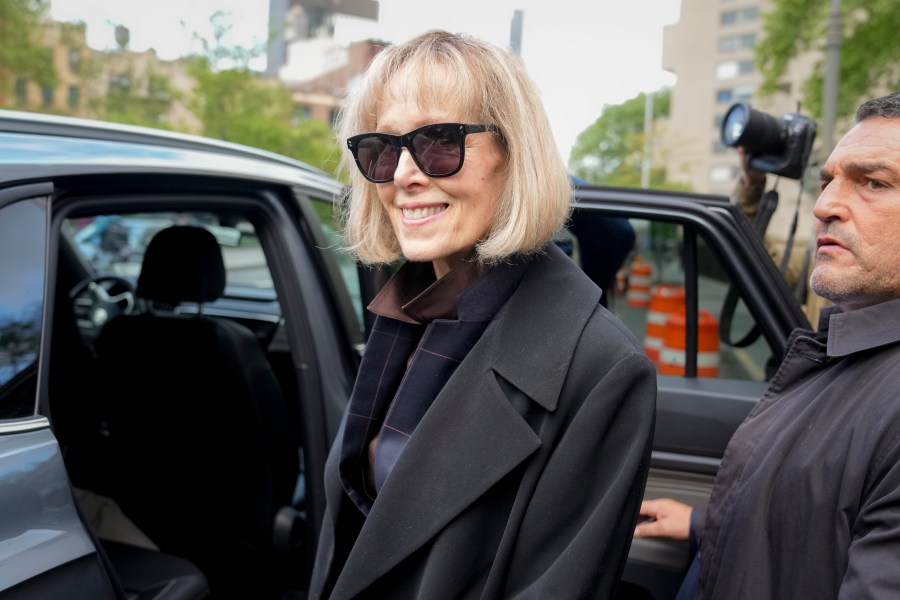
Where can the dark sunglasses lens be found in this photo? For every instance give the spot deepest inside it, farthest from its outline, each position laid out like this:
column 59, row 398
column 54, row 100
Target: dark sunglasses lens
column 377, row 157
column 438, row 149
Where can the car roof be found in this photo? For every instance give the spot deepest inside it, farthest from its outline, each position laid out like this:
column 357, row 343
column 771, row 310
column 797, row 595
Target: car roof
column 92, row 146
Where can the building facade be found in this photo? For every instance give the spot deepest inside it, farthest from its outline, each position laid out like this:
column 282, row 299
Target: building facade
column 305, row 57
column 711, row 52
column 90, row 82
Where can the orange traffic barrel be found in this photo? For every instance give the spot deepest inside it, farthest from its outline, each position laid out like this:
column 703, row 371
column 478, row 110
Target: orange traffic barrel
column 638, row 294
column 672, row 358
column 665, row 299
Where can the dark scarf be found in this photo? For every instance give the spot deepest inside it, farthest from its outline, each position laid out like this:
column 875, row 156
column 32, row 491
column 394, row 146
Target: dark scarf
column 417, row 341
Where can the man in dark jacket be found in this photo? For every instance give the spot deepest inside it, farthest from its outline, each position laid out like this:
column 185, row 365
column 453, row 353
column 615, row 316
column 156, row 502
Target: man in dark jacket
column 806, row 503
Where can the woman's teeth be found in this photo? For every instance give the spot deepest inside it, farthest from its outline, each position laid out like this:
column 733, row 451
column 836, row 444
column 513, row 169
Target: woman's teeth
column 414, row 214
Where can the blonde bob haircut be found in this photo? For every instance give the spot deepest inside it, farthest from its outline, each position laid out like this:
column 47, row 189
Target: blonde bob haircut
column 483, row 84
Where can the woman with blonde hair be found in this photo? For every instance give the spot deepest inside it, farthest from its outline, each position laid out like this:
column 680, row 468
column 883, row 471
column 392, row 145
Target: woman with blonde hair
column 496, row 442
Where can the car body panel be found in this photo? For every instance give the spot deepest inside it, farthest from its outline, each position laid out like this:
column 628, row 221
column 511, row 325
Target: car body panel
column 40, row 529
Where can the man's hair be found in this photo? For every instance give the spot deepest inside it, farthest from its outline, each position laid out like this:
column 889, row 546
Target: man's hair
column 886, row 107
column 482, row 84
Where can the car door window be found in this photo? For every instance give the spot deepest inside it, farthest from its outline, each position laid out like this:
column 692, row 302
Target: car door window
column 22, row 253
column 114, row 244
column 647, row 290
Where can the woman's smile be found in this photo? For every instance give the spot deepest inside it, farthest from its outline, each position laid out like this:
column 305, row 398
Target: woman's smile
column 419, row 213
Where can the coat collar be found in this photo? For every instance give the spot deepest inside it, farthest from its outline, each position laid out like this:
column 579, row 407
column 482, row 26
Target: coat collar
column 861, row 329
column 433, row 480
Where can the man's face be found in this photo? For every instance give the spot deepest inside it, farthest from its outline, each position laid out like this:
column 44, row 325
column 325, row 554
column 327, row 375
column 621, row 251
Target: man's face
column 857, row 260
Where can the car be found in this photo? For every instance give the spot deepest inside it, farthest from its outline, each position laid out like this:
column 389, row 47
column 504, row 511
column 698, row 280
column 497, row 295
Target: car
column 168, row 397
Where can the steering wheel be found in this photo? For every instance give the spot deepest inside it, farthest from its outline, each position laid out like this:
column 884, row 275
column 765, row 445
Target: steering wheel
column 96, row 300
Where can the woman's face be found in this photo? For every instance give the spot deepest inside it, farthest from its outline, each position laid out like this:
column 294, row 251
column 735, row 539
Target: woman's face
column 439, row 219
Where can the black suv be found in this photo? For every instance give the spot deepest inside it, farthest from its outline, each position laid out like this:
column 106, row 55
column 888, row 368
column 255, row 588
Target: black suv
column 180, row 331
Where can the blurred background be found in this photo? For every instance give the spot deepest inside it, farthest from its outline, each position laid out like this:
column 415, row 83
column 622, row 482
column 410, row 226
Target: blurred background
column 636, row 91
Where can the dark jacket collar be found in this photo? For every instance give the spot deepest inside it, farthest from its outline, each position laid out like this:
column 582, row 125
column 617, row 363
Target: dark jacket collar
column 413, row 295
column 861, row 329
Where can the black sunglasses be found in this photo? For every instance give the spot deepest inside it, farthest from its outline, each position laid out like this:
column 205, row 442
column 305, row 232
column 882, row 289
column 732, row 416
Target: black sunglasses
column 438, row 150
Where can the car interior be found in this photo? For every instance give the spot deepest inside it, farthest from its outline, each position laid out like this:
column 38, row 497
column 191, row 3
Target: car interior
column 173, row 407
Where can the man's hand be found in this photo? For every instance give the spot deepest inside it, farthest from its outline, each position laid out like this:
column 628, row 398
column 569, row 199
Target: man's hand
column 670, row 519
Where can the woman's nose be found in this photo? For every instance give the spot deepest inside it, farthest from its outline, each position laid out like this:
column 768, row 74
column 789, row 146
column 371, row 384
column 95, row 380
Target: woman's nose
column 407, row 170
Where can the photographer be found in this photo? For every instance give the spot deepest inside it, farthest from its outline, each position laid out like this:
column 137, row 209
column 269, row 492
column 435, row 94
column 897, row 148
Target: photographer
column 806, row 502
column 748, row 194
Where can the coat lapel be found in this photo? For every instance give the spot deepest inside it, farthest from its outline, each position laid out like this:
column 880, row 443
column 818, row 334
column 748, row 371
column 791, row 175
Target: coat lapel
column 434, row 479
column 547, row 315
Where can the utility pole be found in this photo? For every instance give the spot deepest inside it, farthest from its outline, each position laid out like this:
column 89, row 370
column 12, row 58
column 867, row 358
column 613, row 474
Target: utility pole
column 515, row 31
column 648, row 133
column 831, row 75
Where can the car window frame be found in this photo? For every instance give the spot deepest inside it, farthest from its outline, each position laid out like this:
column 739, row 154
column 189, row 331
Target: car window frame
column 39, row 192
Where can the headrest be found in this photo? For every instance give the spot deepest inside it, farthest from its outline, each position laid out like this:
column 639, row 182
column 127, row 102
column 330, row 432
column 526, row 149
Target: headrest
column 182, row 263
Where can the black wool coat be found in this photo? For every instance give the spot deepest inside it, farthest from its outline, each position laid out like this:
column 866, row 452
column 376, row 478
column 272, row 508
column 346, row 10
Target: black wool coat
column 524, row 478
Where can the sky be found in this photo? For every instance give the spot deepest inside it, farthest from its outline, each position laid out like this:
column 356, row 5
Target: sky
column 582, row 54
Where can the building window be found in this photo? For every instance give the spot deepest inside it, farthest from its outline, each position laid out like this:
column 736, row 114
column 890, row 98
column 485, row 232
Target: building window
column 74, row 61
column 744, row 93
column 74, row 97
column 745, row 67
column 744, row 15
column 723, row 96
column 158, row 88
column 21, row 91
column 120, row 82
column 727, row 70
column 733, row 43
column 47, row 96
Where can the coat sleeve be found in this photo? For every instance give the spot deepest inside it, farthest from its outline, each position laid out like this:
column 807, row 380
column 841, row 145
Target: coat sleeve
column 875, row 536
column 578, row 527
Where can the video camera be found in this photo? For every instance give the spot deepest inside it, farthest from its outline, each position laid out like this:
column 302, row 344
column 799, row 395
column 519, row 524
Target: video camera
column 780, row 146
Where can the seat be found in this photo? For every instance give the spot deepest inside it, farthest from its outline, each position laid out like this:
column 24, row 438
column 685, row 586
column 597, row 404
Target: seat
column 201, row 453
column 148, row 575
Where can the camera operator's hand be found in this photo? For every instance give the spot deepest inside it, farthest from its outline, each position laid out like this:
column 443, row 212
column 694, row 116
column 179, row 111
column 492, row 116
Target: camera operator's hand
column 748, row 189
column 750, row 176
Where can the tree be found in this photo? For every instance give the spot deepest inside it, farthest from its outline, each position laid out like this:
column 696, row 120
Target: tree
column 869, row 48
column 611, row 150
column 22, row 55
column 237, row 104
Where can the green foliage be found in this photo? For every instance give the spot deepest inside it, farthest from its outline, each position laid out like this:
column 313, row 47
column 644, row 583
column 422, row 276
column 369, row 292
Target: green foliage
column 869, row 49
column 22, row 55
column 611, row 150
column 236, row 104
